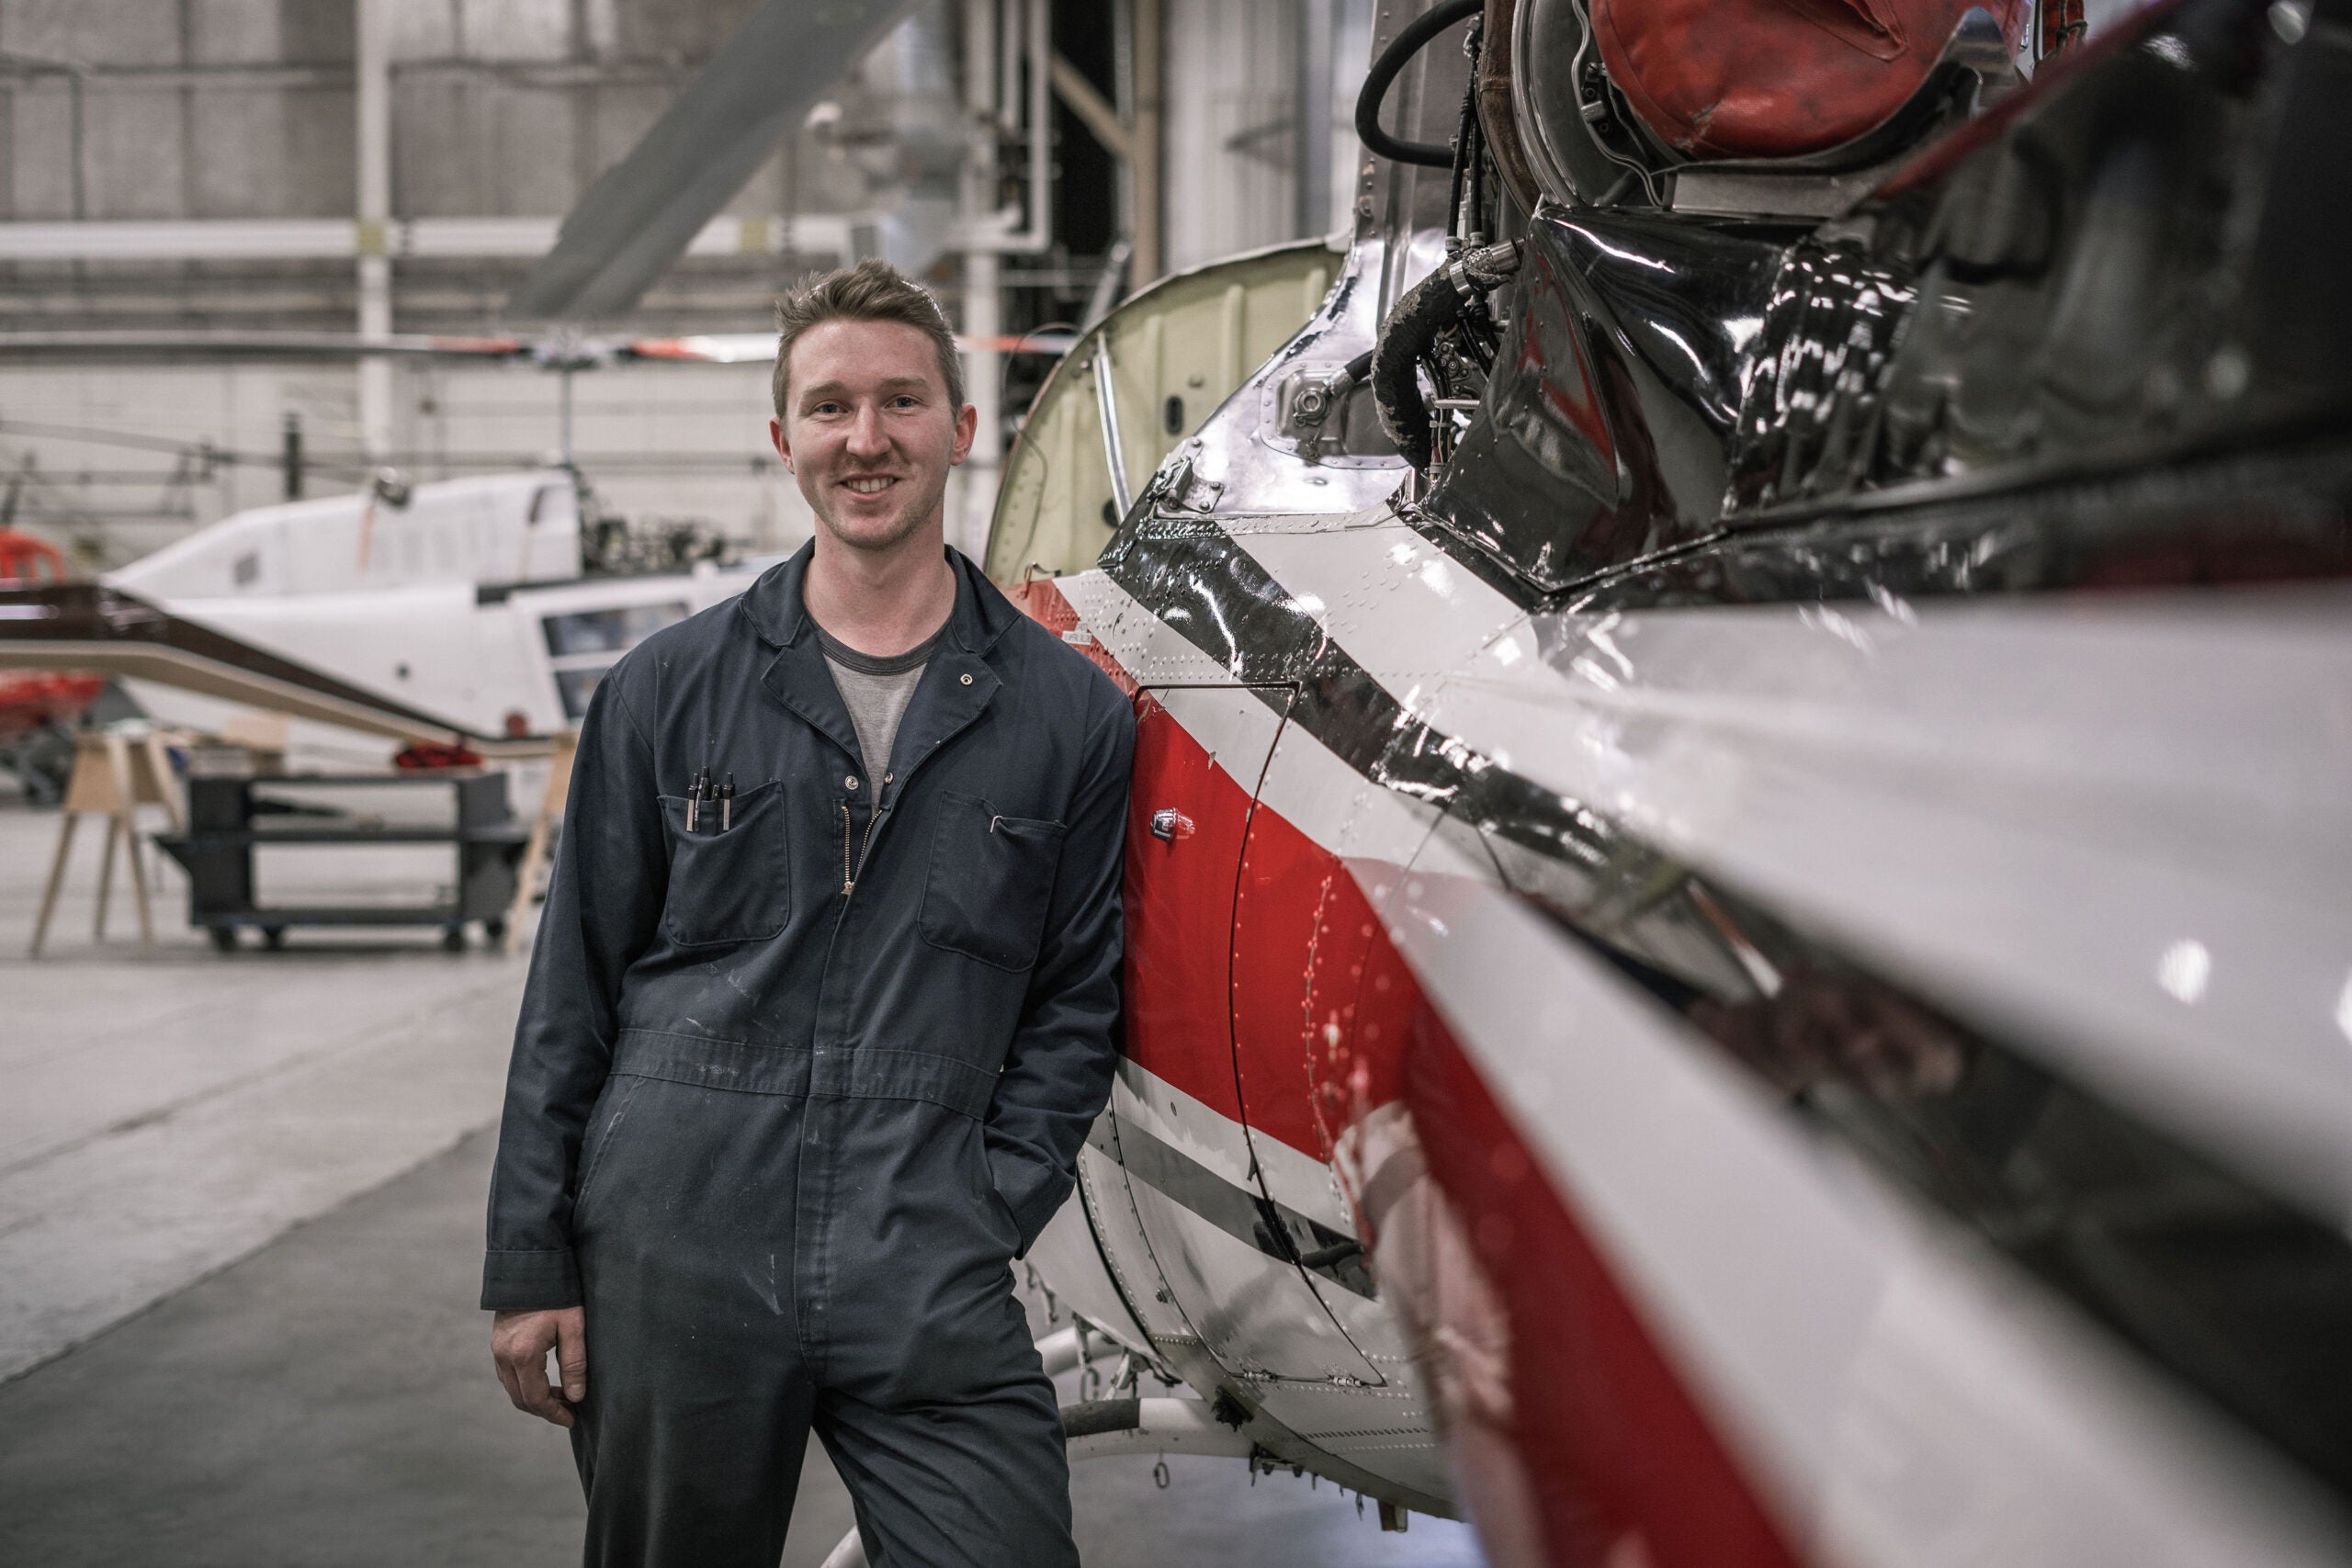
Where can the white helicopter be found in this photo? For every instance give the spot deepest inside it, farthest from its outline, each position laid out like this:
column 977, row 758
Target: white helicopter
column 465, row 600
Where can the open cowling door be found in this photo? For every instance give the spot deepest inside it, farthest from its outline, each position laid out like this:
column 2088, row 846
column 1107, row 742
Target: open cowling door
column 1172, row 355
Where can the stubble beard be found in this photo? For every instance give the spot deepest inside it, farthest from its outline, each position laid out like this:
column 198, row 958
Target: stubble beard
column 883, row 536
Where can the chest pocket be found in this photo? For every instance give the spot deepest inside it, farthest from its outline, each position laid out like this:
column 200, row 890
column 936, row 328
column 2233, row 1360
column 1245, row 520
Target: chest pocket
column 992, row 880
column 726, row 886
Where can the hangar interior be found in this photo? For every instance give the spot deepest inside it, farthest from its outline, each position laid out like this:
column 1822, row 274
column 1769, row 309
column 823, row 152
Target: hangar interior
column 1733, row 613
column 198, row 167
column 240, row 1194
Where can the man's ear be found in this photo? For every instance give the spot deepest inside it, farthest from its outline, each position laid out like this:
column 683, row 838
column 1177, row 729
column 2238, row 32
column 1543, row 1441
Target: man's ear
column 776, row 440
column 968, row 426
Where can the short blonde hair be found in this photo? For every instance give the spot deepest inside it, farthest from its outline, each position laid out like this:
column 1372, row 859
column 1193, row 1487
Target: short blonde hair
column 873, row 290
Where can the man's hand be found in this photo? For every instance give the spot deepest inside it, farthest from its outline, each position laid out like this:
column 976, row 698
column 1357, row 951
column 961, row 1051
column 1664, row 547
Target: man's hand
column 519, row 1343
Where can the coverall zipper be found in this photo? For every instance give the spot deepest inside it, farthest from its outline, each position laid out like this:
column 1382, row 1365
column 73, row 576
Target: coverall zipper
column 850, row 869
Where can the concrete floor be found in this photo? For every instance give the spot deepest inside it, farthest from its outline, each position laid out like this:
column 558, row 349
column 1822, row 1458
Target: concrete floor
column 239, row 1219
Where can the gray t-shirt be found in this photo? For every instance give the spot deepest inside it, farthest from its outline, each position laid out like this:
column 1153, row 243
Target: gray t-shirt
column 876, row 691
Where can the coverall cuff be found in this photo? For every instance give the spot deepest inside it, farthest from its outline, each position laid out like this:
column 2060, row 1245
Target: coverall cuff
column 529, row 1282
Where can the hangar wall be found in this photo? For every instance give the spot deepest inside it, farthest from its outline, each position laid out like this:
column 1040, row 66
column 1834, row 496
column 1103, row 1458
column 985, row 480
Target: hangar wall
column 115, row 112
column 245, row 109
column 1238, row 76
column 657, row 442
column 200, row 109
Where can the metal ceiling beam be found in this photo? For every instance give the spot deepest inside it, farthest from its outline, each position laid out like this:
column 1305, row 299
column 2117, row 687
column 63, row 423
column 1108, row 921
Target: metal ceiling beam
column 639, row 215
column 336, row 238
column 1102, row 121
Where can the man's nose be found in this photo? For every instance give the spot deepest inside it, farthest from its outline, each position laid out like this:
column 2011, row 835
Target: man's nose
column 867, row 436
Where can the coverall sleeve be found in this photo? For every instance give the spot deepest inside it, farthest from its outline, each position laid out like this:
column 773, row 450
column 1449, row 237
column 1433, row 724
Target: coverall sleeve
column 604, row 902
column 1057, row 1071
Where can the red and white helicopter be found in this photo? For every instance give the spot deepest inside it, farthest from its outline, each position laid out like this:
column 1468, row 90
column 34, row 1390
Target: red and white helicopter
column 1743, row 957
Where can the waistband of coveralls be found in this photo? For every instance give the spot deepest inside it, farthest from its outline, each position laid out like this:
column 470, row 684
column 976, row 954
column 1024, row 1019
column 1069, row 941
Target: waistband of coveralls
column 868, row 1072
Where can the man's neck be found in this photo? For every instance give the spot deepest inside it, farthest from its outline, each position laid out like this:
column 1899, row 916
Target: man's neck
column 880, row 601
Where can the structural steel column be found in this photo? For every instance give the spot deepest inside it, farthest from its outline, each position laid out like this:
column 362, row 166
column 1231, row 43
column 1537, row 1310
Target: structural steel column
column 983, row 297
column 1149, row 238
column 374, row 230
column 1313, row 209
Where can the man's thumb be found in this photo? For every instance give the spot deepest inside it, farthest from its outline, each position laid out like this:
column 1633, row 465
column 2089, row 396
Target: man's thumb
column 572, row 1356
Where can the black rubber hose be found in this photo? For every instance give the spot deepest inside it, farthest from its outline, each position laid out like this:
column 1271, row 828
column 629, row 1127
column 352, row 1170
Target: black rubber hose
column 1440, row 301
column 1402, row 48
column 1100, row 1416
column 1428, row 309
column 1350, row 377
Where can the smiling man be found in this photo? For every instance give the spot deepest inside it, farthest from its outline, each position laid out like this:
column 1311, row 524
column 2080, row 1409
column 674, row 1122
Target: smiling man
column 823, row 1002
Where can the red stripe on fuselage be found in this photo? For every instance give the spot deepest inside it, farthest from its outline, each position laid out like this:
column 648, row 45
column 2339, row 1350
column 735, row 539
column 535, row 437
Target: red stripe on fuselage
column 1178, row 889
column 1047, row 605
column 1615, row 1447
column 1317, row 1028
column 1256, row 972
column 1180, row 910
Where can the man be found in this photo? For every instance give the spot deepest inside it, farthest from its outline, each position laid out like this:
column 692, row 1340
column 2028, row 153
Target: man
column 822, row 1005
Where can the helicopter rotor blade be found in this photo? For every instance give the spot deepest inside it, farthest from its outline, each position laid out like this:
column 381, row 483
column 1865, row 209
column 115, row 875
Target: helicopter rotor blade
column 639, row 215
column 252, row 346
column 557, row 352
column 756, row 348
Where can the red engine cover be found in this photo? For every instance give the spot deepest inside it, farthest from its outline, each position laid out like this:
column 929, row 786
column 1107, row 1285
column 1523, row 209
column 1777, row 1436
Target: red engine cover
column 1774, row 78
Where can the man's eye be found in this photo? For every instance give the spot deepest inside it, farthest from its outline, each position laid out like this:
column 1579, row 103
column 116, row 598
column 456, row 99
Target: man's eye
column 904, row 400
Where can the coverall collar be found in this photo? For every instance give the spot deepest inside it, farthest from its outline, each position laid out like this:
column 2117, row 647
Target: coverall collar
column 780, row 615
column 956, row 684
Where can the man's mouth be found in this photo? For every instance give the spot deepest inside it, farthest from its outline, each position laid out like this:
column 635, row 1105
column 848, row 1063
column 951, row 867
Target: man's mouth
column 872, row 484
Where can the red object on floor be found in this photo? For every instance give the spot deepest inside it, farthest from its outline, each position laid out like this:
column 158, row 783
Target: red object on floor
column 31, row 698
column 1775, row 78
column 425, row 754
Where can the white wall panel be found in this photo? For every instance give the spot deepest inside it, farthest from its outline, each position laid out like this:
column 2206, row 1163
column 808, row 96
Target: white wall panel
column 1230, row 69
column 237, row 32
column 713, row 418
column 515, row 29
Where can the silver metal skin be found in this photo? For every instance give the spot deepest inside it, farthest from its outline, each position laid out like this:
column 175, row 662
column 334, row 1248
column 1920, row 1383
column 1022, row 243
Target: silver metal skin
column 1106, row 399
column 1283, row 439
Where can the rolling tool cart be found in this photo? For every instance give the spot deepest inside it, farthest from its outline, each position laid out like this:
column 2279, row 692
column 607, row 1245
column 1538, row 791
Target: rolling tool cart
column 246, row 835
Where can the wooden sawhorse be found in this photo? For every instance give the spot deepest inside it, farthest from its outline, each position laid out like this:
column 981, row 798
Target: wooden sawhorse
column 114, row 775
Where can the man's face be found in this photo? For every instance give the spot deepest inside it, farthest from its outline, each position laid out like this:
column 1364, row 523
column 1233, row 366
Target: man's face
column 868, row 431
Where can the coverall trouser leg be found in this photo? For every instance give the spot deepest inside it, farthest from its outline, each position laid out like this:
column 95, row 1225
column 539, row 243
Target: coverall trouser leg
column 714, row 1484
column 697, row 1279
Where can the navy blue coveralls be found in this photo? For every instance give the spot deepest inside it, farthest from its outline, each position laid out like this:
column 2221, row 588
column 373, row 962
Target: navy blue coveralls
column 788, row 1099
